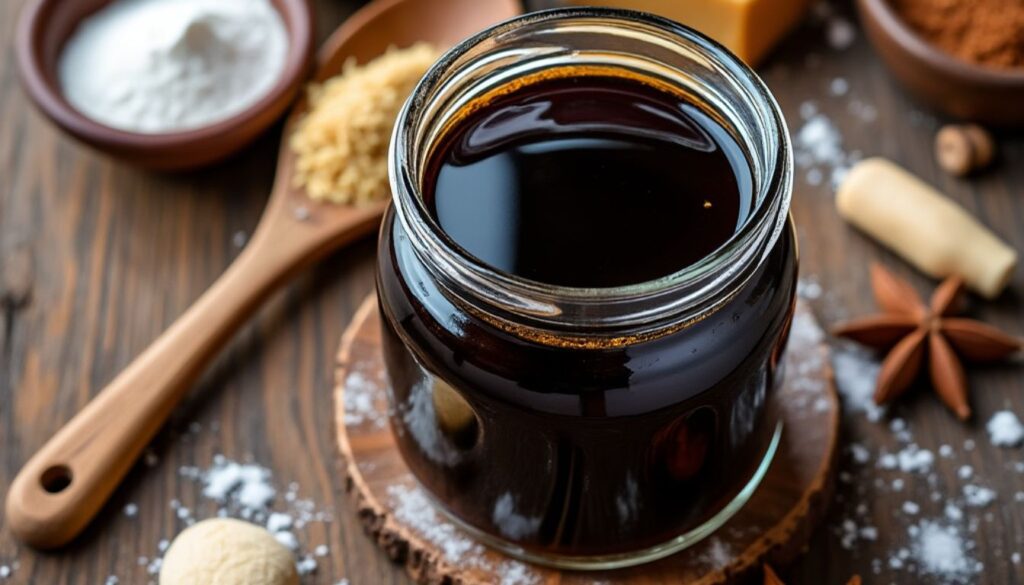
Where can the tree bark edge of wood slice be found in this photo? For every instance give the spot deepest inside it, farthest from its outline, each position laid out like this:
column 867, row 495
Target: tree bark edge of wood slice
column 775, row 526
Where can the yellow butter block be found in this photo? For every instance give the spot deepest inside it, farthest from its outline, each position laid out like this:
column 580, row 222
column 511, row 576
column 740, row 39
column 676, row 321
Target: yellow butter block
column 749, row 28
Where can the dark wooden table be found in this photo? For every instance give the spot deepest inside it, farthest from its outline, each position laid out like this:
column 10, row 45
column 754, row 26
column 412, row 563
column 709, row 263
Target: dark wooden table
column 97, row 258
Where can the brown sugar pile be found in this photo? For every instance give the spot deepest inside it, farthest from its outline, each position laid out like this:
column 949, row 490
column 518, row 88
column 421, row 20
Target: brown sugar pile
column 988, row 32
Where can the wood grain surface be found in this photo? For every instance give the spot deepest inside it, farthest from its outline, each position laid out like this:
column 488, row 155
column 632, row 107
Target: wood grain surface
column 97, row 258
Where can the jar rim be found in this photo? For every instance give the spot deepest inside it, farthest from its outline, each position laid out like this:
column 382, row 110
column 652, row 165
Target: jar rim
column 552, row 303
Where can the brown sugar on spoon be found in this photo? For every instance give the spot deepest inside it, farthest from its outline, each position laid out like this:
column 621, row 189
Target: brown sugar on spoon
column 341, row 145
column 914, row 334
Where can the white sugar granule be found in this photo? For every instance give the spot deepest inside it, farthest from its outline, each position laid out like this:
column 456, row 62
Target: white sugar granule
column 909, row 460
column 1005, row 429
column 307, row 565
column 277, row 521
column 855, row 374
column 911, row 508
column 360, row 395
column 5, row 571
column 839, row 86
column 978, row 496
column 953, row 512
column 819, row 145
column 840, row 33
column 414, row 509
column 287, row 540
column 965, row 472
column 131, row 510
column 321, row 550
column 946, row 451
column 860, row 453
column 940, row 551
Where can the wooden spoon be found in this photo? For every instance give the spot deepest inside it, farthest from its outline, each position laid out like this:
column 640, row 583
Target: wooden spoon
column 66, row 483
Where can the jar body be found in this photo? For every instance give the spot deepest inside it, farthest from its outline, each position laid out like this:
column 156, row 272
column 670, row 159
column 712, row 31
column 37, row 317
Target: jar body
column 570, row 452
column 587, row 428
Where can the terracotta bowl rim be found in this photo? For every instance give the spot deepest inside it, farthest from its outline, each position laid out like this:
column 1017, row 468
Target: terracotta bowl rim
column 298, row 18
column 913, row 43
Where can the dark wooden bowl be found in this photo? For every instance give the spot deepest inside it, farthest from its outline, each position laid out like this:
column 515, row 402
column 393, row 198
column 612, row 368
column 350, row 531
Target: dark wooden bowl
column 947, row 84
column 46, row 25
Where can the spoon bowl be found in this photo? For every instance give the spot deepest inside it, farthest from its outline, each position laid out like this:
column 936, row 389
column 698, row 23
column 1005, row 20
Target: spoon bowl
column 68, row 480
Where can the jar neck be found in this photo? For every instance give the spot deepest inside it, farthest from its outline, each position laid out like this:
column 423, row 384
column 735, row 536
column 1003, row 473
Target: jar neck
column 633, row 44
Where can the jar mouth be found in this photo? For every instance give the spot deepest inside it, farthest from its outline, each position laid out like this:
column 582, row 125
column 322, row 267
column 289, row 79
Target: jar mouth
column 595, row 38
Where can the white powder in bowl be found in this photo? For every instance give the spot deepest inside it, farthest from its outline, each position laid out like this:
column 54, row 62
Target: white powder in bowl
column 157, row 66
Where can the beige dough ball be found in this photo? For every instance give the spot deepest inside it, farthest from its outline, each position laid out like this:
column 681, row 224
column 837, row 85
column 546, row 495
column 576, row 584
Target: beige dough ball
column 224, row 551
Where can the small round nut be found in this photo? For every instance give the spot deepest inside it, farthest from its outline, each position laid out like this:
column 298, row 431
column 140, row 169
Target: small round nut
column 963, row 148
column 227, row 552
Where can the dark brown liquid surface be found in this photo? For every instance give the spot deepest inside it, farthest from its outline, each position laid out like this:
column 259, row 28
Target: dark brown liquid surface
column 589, row 182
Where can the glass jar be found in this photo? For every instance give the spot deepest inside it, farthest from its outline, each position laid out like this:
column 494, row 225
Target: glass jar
column 587, row 428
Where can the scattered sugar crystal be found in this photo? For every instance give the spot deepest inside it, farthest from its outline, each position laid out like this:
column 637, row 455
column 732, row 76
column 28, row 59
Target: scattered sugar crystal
column 808, row 109
column 163, row 545
column 840, row 33
column 321, row 551
column 869, row 533
column 306, row 566
column 1018, row 496
column 112, row 580
column 5, row 571
column 911, row 508
column 888, row 461
column 718, row 553
column 153, row 568
column 360, row 393
column 965, row 472
column 953, row 512
column 287, row 539
column 1015, row 558
column 808, row 288
column 131, row 510
column 860, row 453
column 914, row 459
column 239, row 239
column 855, row 373
column 969, row 445
column 897, row 485
column 978, row 496
column 839, row 86
column 946, row 451
column 301, row 213
column 277, row 522
column 814, row 177
column 941, row 551
column 516, row 573
column 150, row 458
column 1005, row 429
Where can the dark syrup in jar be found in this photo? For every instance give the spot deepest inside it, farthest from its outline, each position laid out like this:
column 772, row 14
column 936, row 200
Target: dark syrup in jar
column 584, row 181
column 589, row 182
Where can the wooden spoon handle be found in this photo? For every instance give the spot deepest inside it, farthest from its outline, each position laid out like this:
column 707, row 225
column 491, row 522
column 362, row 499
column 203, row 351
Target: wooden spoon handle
column 67, row 481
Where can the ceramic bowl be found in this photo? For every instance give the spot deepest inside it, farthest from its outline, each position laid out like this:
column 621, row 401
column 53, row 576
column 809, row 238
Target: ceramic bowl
column 45, row 26
column 949, row 85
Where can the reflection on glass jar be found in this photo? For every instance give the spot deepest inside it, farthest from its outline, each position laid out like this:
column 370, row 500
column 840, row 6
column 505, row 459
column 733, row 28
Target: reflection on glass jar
column 586, row 280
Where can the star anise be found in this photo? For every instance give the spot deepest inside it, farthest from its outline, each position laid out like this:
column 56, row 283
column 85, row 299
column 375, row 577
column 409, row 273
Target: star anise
column 913, row 332
column 770, row 578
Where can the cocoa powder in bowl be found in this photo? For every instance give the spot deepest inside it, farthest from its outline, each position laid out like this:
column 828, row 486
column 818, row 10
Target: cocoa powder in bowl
column 986, row 32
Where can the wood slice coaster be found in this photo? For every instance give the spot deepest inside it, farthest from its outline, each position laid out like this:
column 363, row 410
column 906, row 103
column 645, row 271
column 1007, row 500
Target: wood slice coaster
column 774, row 526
